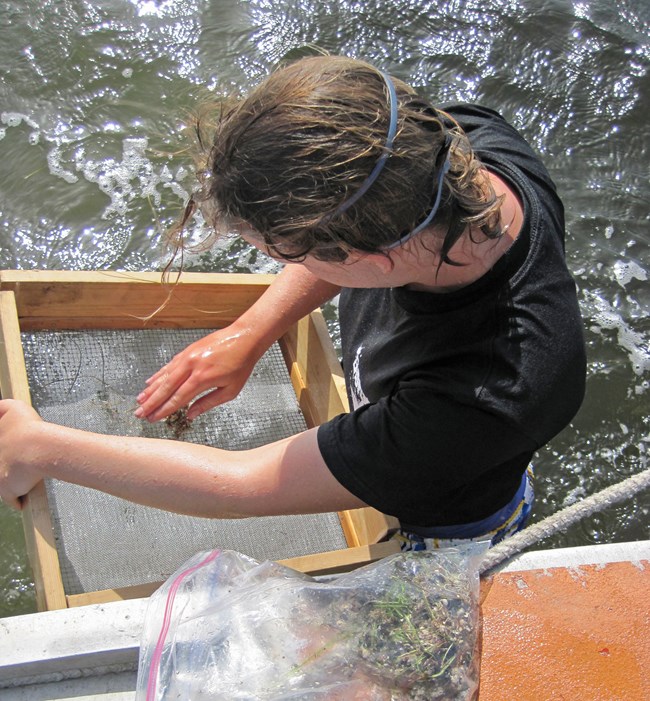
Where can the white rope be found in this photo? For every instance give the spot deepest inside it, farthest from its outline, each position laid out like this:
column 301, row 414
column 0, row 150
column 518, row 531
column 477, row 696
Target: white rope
column 561, row 520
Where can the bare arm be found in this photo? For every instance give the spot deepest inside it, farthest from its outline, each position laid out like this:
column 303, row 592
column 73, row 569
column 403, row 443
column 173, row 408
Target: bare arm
column 223, row 360
column 285, row 477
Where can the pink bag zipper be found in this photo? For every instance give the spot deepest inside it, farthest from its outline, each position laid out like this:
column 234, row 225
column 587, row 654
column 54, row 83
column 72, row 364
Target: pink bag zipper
column 171, row 595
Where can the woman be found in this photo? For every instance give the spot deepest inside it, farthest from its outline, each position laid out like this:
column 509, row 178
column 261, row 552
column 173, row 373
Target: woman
column 461, row 335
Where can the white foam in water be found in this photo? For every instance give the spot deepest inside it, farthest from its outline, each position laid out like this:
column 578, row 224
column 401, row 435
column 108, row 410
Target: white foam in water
column 122, row 181
column 11, row 120
column 54, row 164
column 626, row 271
column 15, row 119
column 132, row 177
column 637, row 347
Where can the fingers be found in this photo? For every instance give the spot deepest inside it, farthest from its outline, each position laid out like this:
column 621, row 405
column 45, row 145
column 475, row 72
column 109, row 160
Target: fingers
column 160, row 405
column 188, row 355
column 14, row 415
column 167, row 394
column 157, row 375
column 172, row 405
column 7, row 405
column 212, row 365
column 182, row 398
column 207, row 402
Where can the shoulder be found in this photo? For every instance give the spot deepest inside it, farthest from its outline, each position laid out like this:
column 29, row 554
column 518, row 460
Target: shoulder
column 491, row 136
column 479, row 119
column 505, row 152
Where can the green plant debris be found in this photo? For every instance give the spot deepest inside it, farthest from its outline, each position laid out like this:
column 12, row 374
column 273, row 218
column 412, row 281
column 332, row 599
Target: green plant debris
column 178, row 422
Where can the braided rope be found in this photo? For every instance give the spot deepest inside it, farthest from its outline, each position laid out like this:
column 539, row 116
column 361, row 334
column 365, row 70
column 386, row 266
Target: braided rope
column 561, row 520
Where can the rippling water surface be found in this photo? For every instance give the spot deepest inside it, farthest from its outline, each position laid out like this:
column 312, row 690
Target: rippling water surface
column 94, row 96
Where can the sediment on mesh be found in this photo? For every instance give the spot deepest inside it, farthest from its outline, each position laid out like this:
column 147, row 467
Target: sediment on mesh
column 88, row 380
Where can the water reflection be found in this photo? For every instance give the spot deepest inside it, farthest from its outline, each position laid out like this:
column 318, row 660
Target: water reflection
column 93, row 97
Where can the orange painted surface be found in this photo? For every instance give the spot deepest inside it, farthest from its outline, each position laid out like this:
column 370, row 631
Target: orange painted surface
column 580, row 634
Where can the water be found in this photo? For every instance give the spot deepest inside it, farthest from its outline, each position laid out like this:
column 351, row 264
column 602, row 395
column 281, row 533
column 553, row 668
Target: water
column 92, row 169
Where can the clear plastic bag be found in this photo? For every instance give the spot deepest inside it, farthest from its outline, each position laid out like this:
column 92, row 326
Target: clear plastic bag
column 226, row 627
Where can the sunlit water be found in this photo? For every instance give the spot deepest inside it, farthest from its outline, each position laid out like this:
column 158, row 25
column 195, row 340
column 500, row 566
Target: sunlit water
column 94, row 95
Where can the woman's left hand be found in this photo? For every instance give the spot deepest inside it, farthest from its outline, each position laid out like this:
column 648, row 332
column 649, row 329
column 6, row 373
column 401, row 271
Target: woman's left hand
column 17, row 477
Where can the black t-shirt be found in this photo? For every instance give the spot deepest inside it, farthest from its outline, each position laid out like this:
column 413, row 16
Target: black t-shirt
column 452, row 393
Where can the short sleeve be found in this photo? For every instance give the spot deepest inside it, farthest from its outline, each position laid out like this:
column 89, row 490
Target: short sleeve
column 425, row 457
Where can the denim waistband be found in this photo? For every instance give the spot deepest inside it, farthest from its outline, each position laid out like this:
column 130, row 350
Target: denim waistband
column 476, row 528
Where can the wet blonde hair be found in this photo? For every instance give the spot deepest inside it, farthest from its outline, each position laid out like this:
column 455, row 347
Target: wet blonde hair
column 283, row 160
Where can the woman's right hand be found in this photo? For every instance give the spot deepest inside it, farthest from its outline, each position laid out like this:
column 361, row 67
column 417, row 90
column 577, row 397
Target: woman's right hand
column 221, row 362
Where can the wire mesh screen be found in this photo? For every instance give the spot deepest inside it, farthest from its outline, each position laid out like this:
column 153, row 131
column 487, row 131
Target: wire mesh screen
column 88, row 379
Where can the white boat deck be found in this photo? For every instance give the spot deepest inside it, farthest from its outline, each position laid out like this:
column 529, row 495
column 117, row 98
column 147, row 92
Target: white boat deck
column 90, row 653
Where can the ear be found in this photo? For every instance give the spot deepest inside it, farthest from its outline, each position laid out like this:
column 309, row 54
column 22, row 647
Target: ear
column 382, row 261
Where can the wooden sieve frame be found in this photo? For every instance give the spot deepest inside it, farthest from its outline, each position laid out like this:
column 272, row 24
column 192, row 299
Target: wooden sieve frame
column 74, row 300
